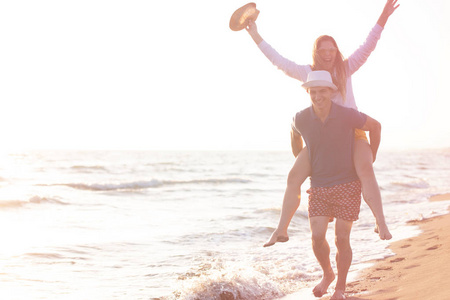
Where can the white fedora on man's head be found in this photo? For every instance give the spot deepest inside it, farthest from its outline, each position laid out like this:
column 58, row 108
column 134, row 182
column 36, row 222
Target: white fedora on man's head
column 319, row 79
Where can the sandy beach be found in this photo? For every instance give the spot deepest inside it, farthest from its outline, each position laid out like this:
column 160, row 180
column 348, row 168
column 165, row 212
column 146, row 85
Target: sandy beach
column 418, row 270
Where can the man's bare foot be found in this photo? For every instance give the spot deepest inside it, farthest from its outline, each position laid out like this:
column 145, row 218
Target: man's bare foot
column 338, row 295
column 322, row 287
column 276, row 237
column 383, row 232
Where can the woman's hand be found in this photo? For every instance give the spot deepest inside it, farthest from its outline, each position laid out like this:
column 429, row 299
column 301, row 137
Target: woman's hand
column 389, row 8
column 252, row 29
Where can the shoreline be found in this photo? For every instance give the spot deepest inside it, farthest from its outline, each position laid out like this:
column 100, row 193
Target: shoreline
column 417, row 270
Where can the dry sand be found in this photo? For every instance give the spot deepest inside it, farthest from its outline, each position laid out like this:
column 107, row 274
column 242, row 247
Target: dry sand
column 420, row 268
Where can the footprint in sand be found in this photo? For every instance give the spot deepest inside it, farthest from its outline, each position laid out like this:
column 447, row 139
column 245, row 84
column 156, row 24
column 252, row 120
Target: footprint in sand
column 434, row 247
column 405, row 246
column 397, row 259
column 374, row 278
column 384, row 268
column 411, row 267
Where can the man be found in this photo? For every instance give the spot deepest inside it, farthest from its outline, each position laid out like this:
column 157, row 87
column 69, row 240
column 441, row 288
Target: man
column 328, row 131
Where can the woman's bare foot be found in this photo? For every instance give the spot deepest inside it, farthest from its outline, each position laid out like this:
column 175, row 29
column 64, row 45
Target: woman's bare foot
column 276, row 237
column 383, row 232
column 338, row 295
column 322, row 287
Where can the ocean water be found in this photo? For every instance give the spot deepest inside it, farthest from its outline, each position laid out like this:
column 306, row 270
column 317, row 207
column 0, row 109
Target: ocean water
column 181, row 225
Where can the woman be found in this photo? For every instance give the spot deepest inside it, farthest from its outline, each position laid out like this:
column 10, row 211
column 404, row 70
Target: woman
column 326, row 56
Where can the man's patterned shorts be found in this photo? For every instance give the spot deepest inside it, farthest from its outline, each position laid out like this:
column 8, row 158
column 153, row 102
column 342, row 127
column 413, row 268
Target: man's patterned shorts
column 342, row 201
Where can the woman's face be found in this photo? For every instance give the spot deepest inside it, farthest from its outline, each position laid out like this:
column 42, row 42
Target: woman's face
column 327, row 52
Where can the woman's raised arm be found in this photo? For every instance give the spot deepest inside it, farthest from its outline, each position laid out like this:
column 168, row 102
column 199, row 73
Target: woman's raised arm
column 252, row 29
column 389, row 8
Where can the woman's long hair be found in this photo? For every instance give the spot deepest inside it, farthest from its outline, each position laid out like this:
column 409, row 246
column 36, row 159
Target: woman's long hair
column 338, row 73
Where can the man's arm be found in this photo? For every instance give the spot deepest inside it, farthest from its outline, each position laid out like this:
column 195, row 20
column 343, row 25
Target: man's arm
column 374, row 128
column 296, row 142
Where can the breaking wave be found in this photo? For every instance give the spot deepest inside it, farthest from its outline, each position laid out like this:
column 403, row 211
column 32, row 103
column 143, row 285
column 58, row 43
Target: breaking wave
column 140, row 185
column 32, row 200
column 89, row 169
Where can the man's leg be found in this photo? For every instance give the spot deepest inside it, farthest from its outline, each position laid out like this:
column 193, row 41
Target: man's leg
column 321, row 250
column 343, row 257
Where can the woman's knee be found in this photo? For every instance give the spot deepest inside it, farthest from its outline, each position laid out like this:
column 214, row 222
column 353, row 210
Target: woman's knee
column 364, row 167
column 300, row 170
column 293, row 178
column 296, row 176
column 363, row 160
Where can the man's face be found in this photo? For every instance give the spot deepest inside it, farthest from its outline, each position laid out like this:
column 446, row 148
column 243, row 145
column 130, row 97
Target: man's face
column 320, row 97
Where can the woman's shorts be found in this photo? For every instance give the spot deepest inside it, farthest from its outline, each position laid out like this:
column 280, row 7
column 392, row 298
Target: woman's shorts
column 360, row 135
column 342, row 201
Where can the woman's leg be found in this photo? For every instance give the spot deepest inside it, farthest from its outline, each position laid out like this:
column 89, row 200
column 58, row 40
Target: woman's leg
column 363, row 160
column 298, row 174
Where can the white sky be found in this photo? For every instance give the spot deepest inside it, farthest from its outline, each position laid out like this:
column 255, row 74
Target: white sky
column 172, row 75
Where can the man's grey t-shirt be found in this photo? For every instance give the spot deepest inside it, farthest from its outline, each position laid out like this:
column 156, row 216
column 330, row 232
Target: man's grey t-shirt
column 330, row 144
